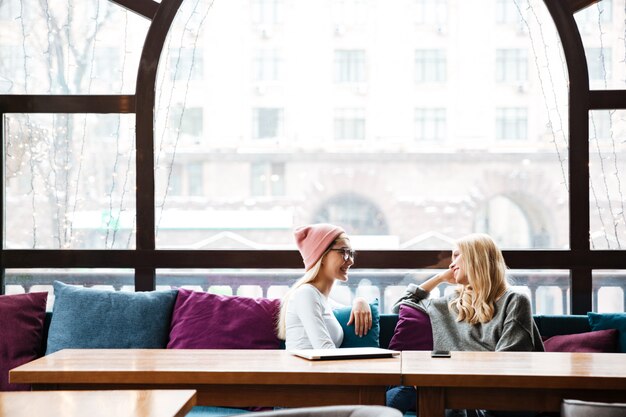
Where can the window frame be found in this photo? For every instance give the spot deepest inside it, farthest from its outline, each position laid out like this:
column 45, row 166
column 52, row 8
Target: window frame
column 579, row 259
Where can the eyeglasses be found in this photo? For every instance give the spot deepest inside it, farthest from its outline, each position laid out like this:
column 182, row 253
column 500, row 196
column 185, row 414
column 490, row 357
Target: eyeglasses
column 346, row 253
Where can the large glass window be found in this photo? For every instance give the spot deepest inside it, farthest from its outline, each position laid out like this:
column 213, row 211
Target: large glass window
column 90, row 47
column 511, row 123
column 607, row 188
column 430, row 124
column 267, row 179
column 406, row 134
column 350, row 124
column 511, row 65
column 511, row 12
column 431, row 12
column 350, row 66
column 410, row 165
column 430, row 65
column 268, row 123
column 267, row 12
column 349, row 13
column 65, row 187
column 267, row 65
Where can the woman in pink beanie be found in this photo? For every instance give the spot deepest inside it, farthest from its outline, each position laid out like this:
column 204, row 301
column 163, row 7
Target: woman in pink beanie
column 306, row 318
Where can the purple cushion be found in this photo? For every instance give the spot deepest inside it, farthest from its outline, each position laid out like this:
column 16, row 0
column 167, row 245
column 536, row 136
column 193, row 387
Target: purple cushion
column 21, row 333
column 208, row 321
column 413, row 331
column 601, row 341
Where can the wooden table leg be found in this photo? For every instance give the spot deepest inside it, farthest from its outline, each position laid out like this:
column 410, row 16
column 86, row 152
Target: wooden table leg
column 431, row 402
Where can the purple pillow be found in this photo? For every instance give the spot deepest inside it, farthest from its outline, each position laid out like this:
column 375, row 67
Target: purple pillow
column 413, row 331
column 600, row 341
column 21, row 333
column 207, row 321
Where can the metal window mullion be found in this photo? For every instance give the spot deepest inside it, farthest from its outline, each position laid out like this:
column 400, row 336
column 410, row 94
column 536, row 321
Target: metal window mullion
column 145, row 276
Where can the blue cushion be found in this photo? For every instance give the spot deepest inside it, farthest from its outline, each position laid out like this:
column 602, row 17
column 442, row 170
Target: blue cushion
column 86, row 318
column 204, row 411
column 350, row 339
column 599, row 321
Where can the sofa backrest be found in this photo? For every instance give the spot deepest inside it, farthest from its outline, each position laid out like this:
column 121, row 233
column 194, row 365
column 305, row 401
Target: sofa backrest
column 549, row 325
column 552, row 325
column 387, row 326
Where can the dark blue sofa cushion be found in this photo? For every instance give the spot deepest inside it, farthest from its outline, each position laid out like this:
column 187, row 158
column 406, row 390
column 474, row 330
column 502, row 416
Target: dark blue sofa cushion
column 549, row 325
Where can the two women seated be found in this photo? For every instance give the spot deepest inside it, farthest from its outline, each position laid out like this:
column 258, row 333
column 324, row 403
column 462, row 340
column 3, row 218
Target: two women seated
column 482, row 314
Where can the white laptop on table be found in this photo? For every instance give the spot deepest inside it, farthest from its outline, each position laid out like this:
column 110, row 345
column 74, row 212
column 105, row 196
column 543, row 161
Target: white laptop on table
column 345, row 353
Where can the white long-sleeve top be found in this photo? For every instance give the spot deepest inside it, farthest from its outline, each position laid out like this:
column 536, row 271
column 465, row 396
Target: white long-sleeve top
column 310, row 322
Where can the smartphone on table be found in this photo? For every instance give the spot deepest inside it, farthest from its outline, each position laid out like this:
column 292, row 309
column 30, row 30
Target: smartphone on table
column 440, row 354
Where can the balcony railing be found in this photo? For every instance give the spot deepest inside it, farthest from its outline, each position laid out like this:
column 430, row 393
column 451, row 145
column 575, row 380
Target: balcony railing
column 548, row 290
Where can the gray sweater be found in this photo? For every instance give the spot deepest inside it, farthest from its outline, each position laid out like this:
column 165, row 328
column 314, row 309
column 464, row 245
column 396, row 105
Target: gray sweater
column 511, row 328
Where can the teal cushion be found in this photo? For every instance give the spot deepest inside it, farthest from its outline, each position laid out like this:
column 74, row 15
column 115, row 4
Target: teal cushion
column 350, row 339
column 205, row 411
column 86, row 318
column 600, row 321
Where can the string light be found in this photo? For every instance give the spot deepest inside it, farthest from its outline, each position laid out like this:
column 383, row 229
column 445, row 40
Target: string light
column 196, row 36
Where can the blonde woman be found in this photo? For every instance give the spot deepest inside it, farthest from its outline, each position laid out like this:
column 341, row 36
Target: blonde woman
column 483, row 314
column 306, row 318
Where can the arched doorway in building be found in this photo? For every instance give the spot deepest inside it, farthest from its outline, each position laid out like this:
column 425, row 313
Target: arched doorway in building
column 356, row 213
column 510, row 224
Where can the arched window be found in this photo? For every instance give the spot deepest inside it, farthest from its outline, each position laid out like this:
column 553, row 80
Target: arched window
column 506, row 222
column 356, row 213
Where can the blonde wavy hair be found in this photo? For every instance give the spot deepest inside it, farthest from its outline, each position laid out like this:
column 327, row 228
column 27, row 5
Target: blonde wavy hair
column 309, row 276
column 485, row 269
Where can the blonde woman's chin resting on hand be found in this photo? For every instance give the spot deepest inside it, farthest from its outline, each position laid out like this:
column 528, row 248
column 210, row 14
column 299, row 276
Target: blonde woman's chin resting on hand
column 306, row 318
column 481, row 314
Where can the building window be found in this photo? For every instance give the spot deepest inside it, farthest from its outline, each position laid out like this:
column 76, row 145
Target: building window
column 175, row 184
column 511, row 123
column 267, row 179
column 433, row 12
column 430, row 65
column 187, row 180
column 511, row 65
column 599, row 63
column 349, row 12
column 267, row 12
column 357, row 214
column 511, row 12
column 268, row 123
column 350, row 66
column 186, row 120
column 185, row 64
column 430, row 124
column 195, row 179
column 508, row 224
column 349, row 124
column 267, row 65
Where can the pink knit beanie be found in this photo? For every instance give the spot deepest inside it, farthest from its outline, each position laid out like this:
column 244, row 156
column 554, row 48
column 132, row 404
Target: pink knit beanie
column 314, row 239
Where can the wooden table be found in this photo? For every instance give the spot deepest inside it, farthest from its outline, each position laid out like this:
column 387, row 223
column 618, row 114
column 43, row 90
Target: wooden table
column 512, row 380
column 131, row 403
column 221, row 377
